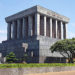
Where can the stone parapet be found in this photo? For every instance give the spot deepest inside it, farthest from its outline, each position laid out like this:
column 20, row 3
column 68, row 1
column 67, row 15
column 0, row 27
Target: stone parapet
column 52, row 14
column 40, row 10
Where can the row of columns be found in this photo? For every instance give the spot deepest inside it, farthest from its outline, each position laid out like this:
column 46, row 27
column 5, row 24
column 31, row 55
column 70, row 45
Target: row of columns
column 56, row 27
column 20, row 28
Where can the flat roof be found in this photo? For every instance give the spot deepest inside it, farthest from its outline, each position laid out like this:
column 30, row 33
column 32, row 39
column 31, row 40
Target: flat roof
column 37, row 9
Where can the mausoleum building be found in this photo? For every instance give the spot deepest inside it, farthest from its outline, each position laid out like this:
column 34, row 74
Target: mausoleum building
column 33, row 31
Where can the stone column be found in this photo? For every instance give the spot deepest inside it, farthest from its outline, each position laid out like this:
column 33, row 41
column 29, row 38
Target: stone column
column 56, row 27
column 51, row 27
column 44, row 25
column 18, row 29
column 9, row 31
column 24, row 28
column 30, row 23
column 65, row 31
column 61, row 30
column 37, row 24
column 14, row 33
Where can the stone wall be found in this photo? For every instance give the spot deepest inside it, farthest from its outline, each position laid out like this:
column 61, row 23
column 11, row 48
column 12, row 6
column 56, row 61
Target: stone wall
column 25, row 71
column 38, row 49
column 16, row 46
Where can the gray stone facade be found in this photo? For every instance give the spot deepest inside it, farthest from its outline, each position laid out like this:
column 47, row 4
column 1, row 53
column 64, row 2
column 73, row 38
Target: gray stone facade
column 37, row 27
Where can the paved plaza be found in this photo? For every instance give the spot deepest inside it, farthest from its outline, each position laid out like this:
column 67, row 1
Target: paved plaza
column 56, row 73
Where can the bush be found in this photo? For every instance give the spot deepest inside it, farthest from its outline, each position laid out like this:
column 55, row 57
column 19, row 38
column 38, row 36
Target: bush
column 11, row 58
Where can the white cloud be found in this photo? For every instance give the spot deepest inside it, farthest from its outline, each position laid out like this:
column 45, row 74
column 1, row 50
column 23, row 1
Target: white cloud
column 71, row 30
column 71, row 35
column 2, row 39
column 3, row 32
column 2, row 35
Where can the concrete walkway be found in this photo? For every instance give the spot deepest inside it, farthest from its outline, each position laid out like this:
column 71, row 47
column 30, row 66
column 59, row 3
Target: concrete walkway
column 56, row 73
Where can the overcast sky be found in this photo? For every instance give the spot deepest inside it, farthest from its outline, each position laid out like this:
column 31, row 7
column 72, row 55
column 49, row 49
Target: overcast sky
column 64, row 7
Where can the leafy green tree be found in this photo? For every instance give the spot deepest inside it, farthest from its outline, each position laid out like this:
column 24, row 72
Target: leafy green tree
column 65, row 47
column 11, row 58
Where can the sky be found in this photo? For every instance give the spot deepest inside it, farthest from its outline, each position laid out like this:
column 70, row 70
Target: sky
column 64, row 7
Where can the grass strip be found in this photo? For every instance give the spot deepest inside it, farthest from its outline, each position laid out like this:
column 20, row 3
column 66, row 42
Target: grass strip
column 21, row 65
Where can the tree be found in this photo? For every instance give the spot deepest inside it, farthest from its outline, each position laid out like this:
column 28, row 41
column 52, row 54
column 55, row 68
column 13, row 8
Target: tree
column 65, row 47
column 11, row 58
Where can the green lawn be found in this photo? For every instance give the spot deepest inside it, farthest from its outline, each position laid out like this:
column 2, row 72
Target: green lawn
column 34, row 65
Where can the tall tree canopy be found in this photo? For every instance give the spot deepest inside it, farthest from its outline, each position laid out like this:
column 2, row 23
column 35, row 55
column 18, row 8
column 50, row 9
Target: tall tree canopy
column 65, row 47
